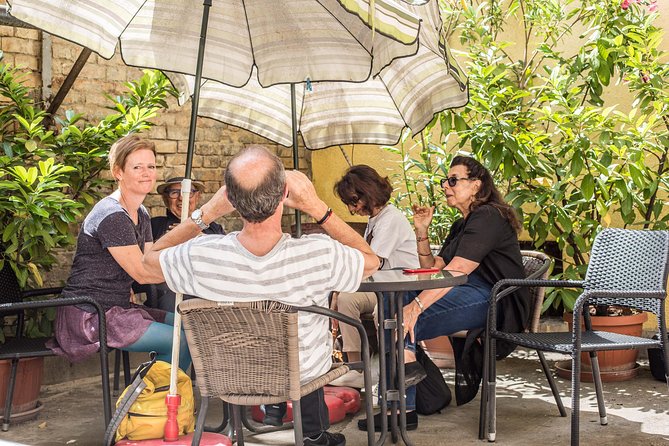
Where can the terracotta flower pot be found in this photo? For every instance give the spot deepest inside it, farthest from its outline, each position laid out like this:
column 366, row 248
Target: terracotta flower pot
column 27, row 387
column 440, row 351
column 615, row 365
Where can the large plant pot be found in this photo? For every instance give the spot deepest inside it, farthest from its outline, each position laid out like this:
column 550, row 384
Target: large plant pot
column 615, row 365
column 440, row 351
column 26, row 390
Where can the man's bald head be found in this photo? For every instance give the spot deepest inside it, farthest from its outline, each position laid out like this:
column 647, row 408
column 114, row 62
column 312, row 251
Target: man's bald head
column 255, row 182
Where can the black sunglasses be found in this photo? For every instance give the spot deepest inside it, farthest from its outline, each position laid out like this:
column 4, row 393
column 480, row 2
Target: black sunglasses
column 452, row 181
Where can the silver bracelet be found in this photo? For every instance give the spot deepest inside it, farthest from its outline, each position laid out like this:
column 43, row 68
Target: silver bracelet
column 420, row 304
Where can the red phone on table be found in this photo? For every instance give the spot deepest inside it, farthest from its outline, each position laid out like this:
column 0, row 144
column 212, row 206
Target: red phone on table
column 420, row 270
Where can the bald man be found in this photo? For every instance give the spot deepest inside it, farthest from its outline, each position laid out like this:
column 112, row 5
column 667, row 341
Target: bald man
column 257, row 186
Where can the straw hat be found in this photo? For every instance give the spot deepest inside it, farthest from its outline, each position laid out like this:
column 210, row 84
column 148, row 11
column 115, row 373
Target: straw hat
column 177, row 180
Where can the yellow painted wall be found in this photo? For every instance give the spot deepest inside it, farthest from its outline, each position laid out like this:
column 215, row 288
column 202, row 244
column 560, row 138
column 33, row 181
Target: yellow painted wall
column 328, row 166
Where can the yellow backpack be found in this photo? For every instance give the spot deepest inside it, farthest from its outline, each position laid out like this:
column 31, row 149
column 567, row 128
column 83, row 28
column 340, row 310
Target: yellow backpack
column 141, row 412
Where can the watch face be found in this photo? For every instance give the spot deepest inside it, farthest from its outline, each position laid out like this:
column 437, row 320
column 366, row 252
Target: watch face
column 197, row 214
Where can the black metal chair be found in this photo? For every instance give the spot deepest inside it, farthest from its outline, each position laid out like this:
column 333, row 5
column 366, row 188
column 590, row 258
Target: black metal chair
column 536, row 265
column 12, row 301
column 627, row 268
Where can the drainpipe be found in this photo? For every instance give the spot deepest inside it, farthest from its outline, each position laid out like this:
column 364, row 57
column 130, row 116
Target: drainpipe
column 47, row 74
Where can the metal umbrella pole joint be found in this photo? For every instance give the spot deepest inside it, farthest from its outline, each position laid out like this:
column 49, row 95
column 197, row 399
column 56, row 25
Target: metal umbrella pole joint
column 173, row 399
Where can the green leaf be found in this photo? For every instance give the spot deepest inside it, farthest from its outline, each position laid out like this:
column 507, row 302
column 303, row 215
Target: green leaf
column 588, row 187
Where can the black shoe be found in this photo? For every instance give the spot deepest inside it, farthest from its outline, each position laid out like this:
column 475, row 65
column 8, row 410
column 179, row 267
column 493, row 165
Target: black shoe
column 413, row 373
column 412, row 422
column 274, row 414
column 326, row 438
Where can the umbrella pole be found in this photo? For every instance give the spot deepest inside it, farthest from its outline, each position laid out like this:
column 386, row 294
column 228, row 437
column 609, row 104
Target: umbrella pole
column 173, row 399
column 296, row 158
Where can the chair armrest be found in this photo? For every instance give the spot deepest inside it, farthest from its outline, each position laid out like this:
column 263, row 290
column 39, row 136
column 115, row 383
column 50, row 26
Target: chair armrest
column 345, row 319
column 505, row 287
column 629, row 294
column 63, row 302
column 42, row 292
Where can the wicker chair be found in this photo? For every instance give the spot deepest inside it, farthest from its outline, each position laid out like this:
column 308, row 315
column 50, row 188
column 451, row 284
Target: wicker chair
column 12, row 303
column 627, row 268
column 238, row 348
column 536, row 265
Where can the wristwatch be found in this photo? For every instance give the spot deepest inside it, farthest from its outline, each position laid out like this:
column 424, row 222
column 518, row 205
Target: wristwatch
column 196, row 216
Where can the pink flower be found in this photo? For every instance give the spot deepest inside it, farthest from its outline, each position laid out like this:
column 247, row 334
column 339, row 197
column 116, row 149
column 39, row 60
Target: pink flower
column 645, row 78
column 653, row 6
column 625, row 4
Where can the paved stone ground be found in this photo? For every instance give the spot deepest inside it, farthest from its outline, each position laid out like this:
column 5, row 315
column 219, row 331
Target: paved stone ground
column 638, row 414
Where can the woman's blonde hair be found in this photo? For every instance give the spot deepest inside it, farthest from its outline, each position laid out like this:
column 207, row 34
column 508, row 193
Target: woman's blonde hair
column 122, row 148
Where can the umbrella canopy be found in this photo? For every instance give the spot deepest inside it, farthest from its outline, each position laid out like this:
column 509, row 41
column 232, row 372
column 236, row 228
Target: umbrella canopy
column 288, row 41
column 406, row 93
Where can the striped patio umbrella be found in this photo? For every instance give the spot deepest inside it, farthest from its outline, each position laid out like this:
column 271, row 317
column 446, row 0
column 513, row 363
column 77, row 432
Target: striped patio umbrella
column 406, row 93
column 288, row 40
column 285, row 41
column 236, row 42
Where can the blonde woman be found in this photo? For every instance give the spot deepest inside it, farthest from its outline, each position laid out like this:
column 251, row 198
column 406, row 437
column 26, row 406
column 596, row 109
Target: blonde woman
column 108, row 259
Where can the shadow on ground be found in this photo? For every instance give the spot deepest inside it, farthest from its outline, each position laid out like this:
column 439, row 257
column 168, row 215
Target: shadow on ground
column 638, row 414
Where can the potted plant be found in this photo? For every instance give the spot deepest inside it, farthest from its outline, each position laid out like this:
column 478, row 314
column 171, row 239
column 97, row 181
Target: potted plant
column 49, row 178
column 614, row 365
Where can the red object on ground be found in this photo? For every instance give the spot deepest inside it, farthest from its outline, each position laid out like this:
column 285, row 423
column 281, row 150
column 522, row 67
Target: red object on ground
column 171, row 425
column 207, row 439
column 348, row 395
column 336, row 408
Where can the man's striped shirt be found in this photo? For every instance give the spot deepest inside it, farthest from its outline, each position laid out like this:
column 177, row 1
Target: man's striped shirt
column 296, row 272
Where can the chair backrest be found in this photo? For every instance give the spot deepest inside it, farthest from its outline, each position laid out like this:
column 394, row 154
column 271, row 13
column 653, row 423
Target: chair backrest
column 9, row 286
column 243, row 349
column 629, row 260
column 537, row 265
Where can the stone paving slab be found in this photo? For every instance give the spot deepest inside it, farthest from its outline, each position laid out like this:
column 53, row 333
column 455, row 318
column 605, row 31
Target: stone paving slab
column 638, row 414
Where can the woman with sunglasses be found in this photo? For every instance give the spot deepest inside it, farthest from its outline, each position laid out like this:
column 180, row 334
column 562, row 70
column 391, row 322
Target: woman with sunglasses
column 484, row 245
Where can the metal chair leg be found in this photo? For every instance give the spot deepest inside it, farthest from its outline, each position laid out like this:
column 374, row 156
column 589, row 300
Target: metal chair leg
column 201, row 416
column 117, row 372
column 237, row 423
column 224, row 422
column 492, row 392
column 127, row 375
column 10, row 395
column 551, row 383
column 575, row 394
column 297, row 422
column 597, row 379
column 483, row 413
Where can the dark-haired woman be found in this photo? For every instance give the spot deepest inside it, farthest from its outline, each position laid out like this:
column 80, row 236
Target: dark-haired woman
column 484, row 245
column 390, row 236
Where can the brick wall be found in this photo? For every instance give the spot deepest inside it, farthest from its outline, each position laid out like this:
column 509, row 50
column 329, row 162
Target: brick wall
column 216, row 142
